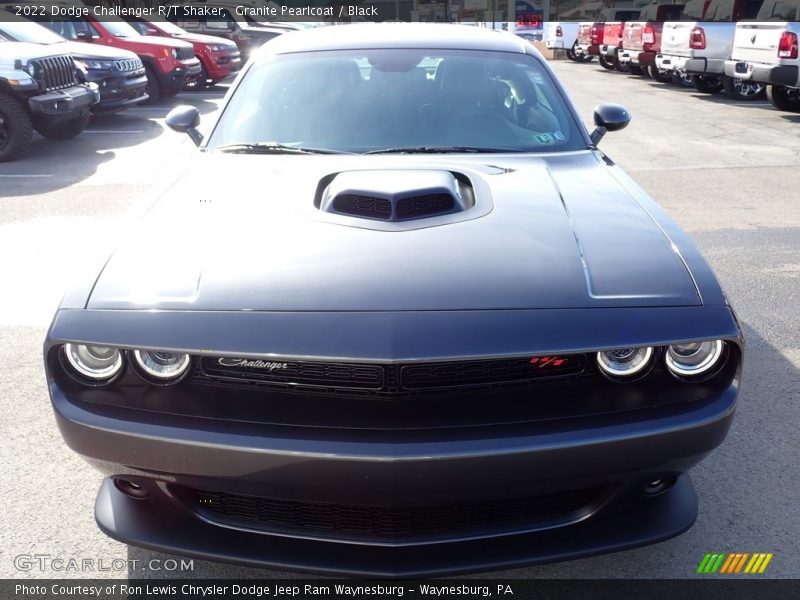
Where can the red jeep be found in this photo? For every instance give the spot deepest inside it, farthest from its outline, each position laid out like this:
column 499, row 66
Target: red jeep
column 219, row 58
column 169, row 63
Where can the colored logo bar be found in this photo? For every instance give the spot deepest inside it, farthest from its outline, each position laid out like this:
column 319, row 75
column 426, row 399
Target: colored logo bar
column 734, row 562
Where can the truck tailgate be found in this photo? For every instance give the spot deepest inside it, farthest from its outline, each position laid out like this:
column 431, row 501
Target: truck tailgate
column 675, row 38
column 632, row 36
column 758, row 42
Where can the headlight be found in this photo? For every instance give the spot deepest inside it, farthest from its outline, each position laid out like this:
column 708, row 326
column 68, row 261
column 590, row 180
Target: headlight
column 692, row 359
column 96, row 64
column 624, row 362
column 162, row 366
column 216, row 47
column 99, row 363
column 174, row 53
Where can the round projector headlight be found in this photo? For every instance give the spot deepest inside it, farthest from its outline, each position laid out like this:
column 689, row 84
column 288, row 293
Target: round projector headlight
column 624, row 362
column 98, row 363
column 163, row 366
column 692, row 359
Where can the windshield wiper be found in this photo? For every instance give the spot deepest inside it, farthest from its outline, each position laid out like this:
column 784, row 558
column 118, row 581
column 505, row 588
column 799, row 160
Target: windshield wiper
column 441, row 150
column 273, row 148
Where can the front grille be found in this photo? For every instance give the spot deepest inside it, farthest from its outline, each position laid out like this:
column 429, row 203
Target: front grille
column 54, row 72
column 479, row 372
column 185, row 53
column 339, row 375
column 395, row 523
column 363, row 206
column 386, row 380
column 128, row 64
column 424, row 206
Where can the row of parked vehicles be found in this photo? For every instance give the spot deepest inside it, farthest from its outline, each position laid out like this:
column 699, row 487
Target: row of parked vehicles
column 747, row 48
column 54, row 73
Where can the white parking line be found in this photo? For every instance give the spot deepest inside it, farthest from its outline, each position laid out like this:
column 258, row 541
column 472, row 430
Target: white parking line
column 113, row 131
column 22, row 176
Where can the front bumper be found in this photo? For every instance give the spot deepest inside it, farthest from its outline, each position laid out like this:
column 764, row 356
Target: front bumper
column 787, row 75
column 164, row 452
column 63, row 104
column 222, row 66
column 118, row 90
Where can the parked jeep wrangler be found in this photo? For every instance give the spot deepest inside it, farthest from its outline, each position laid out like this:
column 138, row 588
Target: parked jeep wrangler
column 42, row 90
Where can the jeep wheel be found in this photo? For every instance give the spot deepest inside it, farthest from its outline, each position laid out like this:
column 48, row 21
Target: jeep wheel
column 660, row 75
column 605, row 63
column 67, row 131
column 707, row 85
column 742, row 89
column 784, row 98
column 153, row 88
column 16, row 130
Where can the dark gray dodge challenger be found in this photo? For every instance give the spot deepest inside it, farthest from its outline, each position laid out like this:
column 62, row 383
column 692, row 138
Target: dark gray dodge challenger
column 405, row 320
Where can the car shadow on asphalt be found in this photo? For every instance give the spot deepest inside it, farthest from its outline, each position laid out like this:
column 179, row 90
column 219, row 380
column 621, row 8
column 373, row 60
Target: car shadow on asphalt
column 744, row 487
column 52, row 165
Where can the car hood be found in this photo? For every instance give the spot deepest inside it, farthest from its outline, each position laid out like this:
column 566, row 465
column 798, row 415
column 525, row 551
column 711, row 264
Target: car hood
column 558, row 232
column 155, row 41
column 96, row 51
column 199, row 38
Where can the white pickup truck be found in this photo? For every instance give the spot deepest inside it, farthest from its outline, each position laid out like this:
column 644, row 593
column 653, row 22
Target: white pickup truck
column 699, row 44
column 562, row 35
column 766, row 51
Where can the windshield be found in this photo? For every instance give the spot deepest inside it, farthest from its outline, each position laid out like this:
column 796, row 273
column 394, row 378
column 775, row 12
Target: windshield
column 780, row 10
column 119, row 28
column 29, row 32
column 378, row 100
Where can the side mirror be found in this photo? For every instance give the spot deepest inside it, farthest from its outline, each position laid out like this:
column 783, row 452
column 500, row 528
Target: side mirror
column 231, row 26
column 185, row 119
column 83, row 36
column 609, row 117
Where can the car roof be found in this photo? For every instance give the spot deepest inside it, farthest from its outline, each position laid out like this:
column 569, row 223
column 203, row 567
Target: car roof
column 398, row 35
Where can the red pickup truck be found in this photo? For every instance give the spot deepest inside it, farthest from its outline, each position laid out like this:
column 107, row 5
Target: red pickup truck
column 611, row 41
column 169, row 63
column 641, row 40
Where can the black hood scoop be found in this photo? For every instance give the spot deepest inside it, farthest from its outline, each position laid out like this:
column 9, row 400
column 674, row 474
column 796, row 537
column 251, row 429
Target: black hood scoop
column 396, row 195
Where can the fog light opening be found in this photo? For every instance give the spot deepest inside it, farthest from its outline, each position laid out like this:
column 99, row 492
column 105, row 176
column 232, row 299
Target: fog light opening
column 658, row 486
column 129, row 488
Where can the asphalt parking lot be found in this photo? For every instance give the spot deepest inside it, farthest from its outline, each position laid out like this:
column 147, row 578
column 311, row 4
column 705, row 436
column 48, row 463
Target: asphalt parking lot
column 726, row 171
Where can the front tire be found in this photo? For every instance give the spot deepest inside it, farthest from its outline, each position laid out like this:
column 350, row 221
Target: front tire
column 16, row 129
column 153, row 88
column 741, row 89
column 659, row 75
column 784, row 98
column 68, row 131
column 707, row 85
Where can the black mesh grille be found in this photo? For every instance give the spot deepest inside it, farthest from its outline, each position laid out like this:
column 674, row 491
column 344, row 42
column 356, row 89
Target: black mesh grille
column 386, row 380
column 363, row 206
column 394, row 523
column 355, row 376
column 185, row 53
column 458, row 374
column 55, row 72
column 424, row 206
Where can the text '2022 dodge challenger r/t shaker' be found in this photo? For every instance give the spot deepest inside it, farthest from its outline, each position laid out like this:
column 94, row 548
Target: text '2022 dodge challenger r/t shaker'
column 430, row 329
